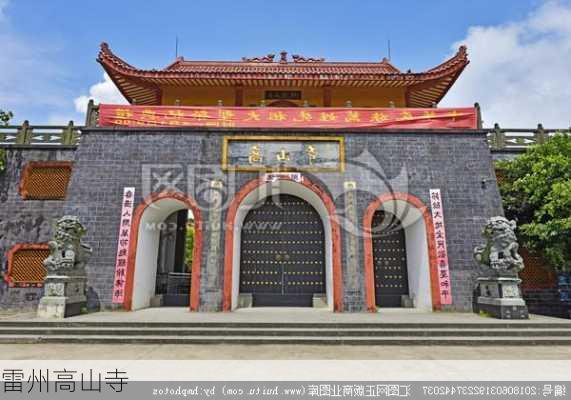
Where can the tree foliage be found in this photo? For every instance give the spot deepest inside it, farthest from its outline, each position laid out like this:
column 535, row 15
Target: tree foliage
column 189, row 245
column 5, row 117
column 536, row 191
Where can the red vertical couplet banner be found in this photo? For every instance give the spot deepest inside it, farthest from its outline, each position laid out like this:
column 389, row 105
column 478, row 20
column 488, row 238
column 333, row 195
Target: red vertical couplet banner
column 123, row 245
column 441, row 250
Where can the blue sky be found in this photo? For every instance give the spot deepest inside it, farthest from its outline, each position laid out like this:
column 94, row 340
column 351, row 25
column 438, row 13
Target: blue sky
column 50, row 46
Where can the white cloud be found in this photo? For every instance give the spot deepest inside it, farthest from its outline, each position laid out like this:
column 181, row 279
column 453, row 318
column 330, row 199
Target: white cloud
column 3, row 5
column 33, row 82
column 62, row 119
column 520, row 72
column 29, row 73
column 101, row 92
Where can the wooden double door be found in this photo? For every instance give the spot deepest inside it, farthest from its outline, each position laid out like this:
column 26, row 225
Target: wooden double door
column 282, row 254
column 389, row 260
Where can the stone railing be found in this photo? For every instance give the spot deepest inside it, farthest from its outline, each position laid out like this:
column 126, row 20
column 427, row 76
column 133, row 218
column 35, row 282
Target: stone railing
column 500, row 139
column 509, row 139
column 49, row 135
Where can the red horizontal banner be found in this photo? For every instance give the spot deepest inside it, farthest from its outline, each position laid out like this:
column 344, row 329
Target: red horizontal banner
column 287, row 117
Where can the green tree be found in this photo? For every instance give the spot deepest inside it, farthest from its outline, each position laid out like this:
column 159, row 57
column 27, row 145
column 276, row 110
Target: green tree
column 536, row 191
column 5, row 117
column 189, row 245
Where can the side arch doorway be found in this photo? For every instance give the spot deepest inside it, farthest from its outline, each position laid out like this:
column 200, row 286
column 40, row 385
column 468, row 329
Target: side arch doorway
column 282, row 256
column 174, row 260
column 165, row 253
column 400, row 268
column 389, row 260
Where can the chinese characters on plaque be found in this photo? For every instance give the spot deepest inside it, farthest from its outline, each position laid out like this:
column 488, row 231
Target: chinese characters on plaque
column 123, row 245
column 441, row 250
column 283, row 154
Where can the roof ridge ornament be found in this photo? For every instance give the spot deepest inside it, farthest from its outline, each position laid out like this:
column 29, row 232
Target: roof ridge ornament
column 266, row 59
column 300, row 59
column 283, row 59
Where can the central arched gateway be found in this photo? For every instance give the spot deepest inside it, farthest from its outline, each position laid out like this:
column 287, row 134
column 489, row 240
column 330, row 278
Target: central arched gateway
column 310, row 198
column 282, row 253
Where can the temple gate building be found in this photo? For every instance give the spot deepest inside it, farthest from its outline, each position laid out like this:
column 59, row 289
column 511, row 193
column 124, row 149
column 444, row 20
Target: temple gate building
column 305, row 183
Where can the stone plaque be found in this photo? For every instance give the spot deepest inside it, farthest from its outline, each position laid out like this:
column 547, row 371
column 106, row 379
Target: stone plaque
column 283, row 153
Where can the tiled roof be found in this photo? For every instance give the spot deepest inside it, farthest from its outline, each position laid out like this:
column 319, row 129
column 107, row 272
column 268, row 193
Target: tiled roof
column 143, row 86
column 241, row 67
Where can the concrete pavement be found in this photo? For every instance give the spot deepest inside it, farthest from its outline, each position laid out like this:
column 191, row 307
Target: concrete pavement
column 278, row 352
column 285, row 314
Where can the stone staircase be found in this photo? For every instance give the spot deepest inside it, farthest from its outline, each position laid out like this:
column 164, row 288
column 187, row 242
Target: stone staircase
column 319, row 333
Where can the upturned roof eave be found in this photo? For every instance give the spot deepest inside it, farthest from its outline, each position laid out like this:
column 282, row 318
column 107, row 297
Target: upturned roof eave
column 150, row 80
column 112, row 61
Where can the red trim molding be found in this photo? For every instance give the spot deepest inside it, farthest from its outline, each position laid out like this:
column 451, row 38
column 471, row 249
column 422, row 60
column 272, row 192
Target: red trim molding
column 335, row 238
column 197, row 251
column 10, row 260
column 26, row 173
column 368, row 246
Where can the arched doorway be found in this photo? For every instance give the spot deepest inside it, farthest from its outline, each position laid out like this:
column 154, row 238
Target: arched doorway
column 246, row 199
column 389, row 260
column 174, row 260
column 282, row 253
column 400, row 257
column 150, row 220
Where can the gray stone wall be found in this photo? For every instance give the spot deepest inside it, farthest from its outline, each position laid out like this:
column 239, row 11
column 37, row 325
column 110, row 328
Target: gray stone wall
column 187, row 160
column 24, row 221
column 379, row 162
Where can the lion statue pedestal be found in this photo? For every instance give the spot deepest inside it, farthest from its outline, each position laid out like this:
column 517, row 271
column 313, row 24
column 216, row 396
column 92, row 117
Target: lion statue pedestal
column 498, row 294
column 66, row 281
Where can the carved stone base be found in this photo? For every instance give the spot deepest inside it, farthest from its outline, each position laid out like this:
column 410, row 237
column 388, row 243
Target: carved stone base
column 64, row 296
column 245, row 300
column 319, row 301
column 156, row 301
column 406, row 301
column 501, row 310
column 500, row 297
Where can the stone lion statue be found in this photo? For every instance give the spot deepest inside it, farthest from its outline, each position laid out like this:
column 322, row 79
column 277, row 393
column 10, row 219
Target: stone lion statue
column 500, row 253
column 68, row 255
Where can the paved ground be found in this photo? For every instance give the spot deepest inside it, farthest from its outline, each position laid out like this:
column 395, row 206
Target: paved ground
column 280, row 314
column 278, row 352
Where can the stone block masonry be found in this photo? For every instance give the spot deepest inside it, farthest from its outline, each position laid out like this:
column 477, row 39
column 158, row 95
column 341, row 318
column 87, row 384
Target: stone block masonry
column 187, row 160
column 25, row 221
